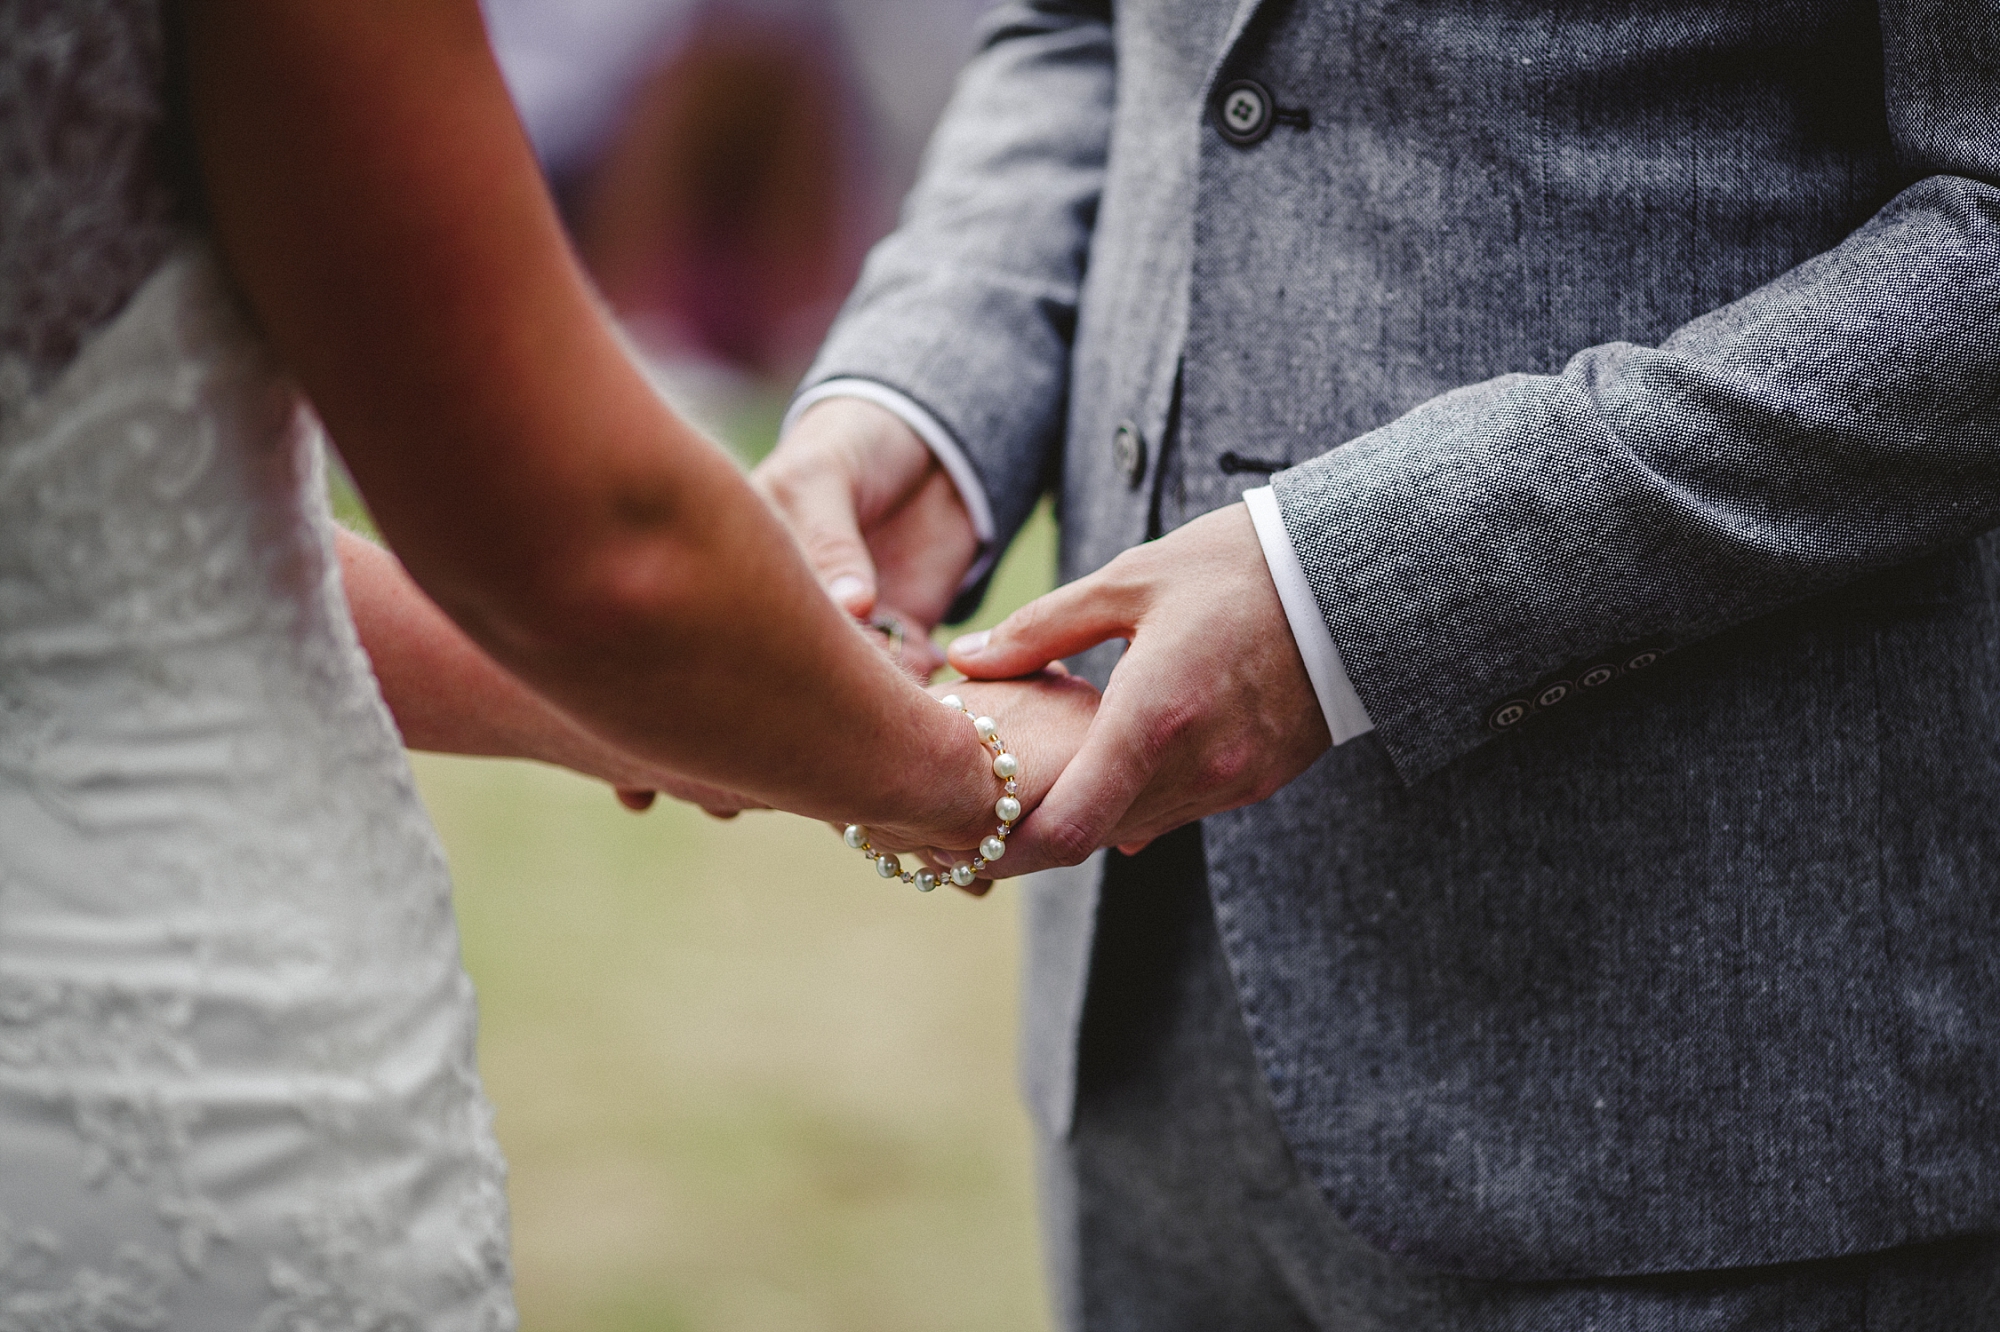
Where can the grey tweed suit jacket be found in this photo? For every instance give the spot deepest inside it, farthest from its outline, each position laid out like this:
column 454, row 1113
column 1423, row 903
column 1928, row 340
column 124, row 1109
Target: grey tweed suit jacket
column 1582, row 337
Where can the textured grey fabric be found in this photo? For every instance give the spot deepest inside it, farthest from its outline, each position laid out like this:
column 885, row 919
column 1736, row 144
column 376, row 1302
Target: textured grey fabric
column 1698, row 969
column 1176, row 1205
column 1058, row 906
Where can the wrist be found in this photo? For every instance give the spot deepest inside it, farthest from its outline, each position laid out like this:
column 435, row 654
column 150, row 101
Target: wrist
column 545, row 734
column 956, row 787
column 963, row 868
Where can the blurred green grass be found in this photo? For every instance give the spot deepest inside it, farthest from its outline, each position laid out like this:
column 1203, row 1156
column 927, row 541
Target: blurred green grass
column 742, row 1084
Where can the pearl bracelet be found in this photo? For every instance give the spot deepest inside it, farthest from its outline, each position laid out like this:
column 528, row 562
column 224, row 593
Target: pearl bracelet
column 1007, row 768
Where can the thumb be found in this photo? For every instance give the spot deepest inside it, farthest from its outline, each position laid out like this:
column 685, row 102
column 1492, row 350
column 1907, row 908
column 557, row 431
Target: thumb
column 1066, row 621
column 825, row 524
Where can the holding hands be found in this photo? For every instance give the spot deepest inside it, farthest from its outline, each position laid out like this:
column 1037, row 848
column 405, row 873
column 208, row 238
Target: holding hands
column 1210, row 707
column 885, row 530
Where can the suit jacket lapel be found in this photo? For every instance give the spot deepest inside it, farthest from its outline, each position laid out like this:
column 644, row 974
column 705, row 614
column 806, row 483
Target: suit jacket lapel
column 1245, row 11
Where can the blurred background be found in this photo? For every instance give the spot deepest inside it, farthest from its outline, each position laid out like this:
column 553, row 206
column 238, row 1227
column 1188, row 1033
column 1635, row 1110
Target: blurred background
column 725, row 164
column 743, row 1085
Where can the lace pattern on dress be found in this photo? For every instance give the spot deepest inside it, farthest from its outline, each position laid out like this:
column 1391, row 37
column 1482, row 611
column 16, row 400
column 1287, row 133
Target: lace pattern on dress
column 36, row 1295
column 86, row 210
column 225, row 924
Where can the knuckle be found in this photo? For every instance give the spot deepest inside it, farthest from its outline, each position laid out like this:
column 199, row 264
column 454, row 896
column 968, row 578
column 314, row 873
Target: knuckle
column 794, row 477
column 1128, row 579
column 1069, row 841
column 789, row 500
column 1028, row 623
column 778, row 476
column 1226, row 767
column 1171, row 727
column 831, row 551
column 1213, row 774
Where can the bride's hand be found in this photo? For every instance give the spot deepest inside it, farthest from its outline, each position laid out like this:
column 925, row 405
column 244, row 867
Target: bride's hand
column 639, row 796
column 1043, row 719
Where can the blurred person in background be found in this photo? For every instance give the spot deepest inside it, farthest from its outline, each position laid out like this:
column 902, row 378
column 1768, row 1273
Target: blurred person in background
column 723, row 164
column 237, row 1086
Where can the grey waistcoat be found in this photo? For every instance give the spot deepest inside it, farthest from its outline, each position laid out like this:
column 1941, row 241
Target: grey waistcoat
column 1650, row 350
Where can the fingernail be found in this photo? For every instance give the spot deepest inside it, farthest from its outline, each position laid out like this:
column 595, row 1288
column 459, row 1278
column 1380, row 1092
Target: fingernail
column 847, row 589
column 970, row 645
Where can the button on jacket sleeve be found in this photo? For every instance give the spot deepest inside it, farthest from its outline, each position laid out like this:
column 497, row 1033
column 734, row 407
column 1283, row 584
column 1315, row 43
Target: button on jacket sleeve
column 1842, row 418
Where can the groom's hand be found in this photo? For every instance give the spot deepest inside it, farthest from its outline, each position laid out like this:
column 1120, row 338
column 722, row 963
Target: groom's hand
column 1210, row 707
column 880, row 522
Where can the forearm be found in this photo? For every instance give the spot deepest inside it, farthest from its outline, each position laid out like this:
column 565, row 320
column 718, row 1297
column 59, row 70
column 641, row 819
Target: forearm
column 445, row 693
column 1840, row 420
column 377, row 203
column 449, row 697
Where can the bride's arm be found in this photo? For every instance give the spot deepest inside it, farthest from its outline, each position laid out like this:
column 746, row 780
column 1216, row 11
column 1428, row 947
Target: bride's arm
column 449, row 696
column 378, row 202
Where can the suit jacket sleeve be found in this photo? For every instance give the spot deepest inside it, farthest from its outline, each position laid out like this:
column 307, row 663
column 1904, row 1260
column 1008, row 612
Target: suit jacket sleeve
column 969, row 307
column 1843, row 418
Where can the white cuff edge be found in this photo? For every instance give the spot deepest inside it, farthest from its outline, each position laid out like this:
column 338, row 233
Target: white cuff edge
column 940, row 441
column 1346, row 718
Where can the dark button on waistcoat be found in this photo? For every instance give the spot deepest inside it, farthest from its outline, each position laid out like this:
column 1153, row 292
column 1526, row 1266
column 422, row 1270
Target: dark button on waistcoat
column 1244, row 112
column 1128, row 451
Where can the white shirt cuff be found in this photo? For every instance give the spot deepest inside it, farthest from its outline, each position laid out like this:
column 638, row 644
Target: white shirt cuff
column 936, row 438
column 1345, row 716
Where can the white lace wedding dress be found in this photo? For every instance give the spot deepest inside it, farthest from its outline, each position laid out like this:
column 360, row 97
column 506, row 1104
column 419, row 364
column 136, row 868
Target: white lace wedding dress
column 237, row 1088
